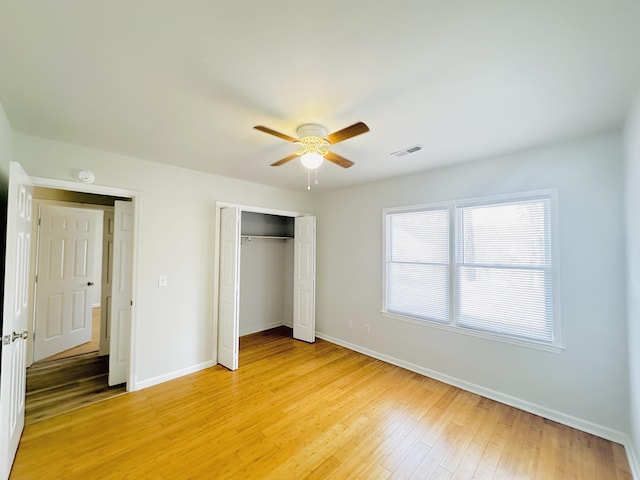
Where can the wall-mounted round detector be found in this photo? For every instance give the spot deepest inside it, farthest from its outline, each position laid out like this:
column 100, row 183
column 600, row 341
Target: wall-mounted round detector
column 86, row 176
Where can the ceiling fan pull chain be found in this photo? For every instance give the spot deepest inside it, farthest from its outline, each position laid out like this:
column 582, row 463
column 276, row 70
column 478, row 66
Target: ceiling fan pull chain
column 316, row 170
column 308, row 179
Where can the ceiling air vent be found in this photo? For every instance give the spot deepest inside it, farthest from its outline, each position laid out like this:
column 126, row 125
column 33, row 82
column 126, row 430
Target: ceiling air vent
column 407, row 151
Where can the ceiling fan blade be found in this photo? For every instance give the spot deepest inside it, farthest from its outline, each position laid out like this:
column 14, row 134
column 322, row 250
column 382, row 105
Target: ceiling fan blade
column 277, row 134
column 284, row 160
column 338, row 160
column 341, row 135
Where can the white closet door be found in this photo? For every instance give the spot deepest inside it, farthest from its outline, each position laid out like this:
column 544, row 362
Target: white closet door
column 304, row 282
column 229, row 296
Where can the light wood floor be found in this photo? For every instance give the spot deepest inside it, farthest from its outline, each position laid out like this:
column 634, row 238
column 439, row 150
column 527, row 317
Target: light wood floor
column 309, row 411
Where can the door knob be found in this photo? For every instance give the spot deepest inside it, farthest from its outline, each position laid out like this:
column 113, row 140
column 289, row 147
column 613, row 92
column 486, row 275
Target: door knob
column 90, row 284
column 24, row 335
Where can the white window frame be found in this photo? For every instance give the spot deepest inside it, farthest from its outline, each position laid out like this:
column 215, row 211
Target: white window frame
column 552, row 194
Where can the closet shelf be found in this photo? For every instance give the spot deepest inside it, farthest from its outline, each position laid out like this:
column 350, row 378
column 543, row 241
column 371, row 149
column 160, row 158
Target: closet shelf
column 249, row 237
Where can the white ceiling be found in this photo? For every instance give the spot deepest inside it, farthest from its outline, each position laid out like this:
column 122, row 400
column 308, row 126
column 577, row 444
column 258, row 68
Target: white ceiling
column 184, row 82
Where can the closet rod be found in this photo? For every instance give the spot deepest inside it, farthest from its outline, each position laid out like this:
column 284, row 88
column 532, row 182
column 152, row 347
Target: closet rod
column 249, row 237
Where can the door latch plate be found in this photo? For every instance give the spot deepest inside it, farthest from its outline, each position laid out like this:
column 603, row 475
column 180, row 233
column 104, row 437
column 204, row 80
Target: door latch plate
column 6, row 340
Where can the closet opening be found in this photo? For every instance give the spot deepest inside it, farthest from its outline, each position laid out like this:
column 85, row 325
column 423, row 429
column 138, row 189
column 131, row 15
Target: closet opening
column 266, row 272
column 265, row 264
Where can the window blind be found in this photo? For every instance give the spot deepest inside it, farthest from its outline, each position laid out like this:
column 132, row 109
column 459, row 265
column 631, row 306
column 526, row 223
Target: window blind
column 503, row 269
column 418, row 264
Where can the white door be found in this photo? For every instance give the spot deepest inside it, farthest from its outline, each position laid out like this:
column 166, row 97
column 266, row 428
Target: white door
column 120, row 315
column 304, row 280
column 64, row 278
column 14, row 328
column 107, row 275
column 229, row 295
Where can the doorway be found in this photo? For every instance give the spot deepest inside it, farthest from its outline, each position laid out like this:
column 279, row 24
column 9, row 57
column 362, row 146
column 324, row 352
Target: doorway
column 266, row 225
column 70, row 352
column 16, row 312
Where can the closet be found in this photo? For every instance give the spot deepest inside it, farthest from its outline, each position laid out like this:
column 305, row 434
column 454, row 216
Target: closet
column 266, row 272
column 265, row 275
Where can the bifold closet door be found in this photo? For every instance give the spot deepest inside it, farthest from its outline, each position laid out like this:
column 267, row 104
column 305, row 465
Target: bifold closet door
column 304, row 281
column 229, row 297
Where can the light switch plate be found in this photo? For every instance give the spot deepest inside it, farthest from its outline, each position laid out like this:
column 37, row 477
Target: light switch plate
column 163, row 280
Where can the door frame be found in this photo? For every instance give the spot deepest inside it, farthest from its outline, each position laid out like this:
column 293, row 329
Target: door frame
column 216, row 254
column 135, row 197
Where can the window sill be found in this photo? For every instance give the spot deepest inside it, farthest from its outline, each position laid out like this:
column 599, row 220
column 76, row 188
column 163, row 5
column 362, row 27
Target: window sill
column 474, row 333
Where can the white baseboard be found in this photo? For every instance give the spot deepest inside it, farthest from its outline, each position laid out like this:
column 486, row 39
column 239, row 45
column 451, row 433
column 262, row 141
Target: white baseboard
column 571, row 421
column 633, row 459
column 139, row 385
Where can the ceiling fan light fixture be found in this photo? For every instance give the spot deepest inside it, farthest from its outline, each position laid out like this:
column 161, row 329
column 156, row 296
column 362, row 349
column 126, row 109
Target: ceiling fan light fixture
column 313, row 142
column 313, row 139
column 311, row 160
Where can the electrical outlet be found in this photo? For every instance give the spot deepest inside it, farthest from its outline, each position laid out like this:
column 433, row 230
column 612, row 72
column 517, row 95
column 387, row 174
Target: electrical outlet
column 350, row 323
column 366, row 328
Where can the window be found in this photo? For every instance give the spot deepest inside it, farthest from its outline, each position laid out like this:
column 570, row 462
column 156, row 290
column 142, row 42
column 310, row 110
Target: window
column 481, row 266
column 418, row 266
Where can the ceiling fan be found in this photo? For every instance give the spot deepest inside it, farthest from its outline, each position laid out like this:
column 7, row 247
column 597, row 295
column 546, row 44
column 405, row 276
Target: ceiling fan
column 313, row 139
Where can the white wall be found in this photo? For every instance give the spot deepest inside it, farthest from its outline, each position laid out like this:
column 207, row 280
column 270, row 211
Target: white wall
column 587, row 384
column 174, row 331
column 6, row 149
column 632, row 176
column 263, row 284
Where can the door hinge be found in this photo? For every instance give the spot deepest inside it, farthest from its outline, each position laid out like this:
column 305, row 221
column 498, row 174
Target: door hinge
column 131, row 303
column 39, row 221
